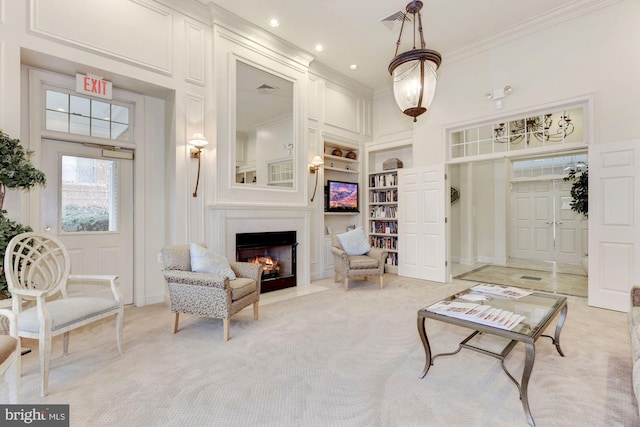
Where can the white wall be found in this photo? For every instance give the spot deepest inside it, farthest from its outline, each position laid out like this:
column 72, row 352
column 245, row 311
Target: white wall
column 167, row 63
column 596, row 53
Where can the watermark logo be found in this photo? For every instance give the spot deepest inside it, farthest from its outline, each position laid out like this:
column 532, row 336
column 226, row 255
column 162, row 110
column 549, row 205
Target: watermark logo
column 34, row 415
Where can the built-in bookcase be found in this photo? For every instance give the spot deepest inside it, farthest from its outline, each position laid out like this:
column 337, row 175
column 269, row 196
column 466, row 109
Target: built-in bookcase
column 383, row 215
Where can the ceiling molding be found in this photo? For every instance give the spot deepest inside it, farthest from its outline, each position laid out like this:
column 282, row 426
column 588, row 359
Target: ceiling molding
column 323, row 71
column 195, row 10
column 533, row 25
column 255, row 34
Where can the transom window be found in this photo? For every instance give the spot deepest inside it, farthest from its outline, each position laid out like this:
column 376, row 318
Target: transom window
column 85, row 116
column 549, row 167
column 533, row 132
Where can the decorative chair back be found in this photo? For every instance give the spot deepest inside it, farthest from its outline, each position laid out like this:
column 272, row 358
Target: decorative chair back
column 37, row 261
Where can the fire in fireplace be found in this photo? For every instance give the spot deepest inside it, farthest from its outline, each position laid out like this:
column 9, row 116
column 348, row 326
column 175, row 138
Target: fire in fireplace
column 275, row 251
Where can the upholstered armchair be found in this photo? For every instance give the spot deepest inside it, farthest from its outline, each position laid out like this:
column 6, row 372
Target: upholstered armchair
column 369, row 264
column 206, row 294
column 10, row 355
column 37, row 268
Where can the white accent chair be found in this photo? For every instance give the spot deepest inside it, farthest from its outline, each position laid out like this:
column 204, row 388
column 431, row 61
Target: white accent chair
column 10, row 356
column 37, row 268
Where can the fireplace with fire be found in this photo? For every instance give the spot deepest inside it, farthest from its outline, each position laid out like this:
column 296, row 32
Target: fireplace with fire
column 276, row 251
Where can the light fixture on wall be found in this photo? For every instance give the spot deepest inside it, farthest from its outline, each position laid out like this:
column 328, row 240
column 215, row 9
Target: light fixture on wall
column 198, row 141
column 541, row 127
column 314, row 166
column 497, row 95
column 414, row 71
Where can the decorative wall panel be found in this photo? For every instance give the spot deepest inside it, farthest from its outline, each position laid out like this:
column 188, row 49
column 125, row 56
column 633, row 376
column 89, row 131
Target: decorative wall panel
column 194, row 53
column 143, row 36
column 341, row 109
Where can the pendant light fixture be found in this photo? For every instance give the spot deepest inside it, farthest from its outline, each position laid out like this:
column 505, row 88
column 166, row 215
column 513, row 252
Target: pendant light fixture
column 414, row 71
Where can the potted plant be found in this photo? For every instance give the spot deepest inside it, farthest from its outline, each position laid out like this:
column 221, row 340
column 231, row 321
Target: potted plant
column 16, row 172
column 580, row 195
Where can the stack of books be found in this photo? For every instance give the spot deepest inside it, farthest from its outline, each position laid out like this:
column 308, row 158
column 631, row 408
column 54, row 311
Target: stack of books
column 478, row 313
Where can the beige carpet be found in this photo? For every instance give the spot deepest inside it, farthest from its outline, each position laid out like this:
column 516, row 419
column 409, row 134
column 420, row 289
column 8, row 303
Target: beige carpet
column 562, row 283
column 334, row 358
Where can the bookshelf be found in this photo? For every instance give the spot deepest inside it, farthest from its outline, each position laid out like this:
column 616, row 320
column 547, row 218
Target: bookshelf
column 383, row 215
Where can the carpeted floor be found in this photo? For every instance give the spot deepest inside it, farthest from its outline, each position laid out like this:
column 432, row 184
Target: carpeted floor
column 334, row 358
column 562, row 283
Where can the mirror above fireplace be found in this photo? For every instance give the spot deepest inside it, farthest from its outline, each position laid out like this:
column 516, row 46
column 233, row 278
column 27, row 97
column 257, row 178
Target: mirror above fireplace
column 265, row 146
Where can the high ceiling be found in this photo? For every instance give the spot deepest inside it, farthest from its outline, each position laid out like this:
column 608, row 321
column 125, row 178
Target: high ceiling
column 351, row 31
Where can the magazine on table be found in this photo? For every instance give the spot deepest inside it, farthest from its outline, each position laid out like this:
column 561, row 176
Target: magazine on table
column 500, row 290
column 484, row 314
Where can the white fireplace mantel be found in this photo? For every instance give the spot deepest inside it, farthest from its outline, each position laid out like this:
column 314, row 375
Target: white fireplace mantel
column 224, row 221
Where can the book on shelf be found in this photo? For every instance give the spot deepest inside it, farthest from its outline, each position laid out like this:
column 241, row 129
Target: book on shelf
column 500, row 290
column 478, row 313
column 383, row 180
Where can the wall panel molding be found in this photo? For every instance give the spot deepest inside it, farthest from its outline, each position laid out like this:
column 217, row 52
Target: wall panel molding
column 90, row 25
column 194, row 114
column 194, row 40
column 342, row 109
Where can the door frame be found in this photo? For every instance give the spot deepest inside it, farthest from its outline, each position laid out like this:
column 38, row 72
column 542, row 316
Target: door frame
column 36, row 80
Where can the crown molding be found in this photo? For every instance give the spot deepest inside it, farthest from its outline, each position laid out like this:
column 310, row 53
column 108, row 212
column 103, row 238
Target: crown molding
column 244, row 29
column 327, row 73
column 533, row 25
column 194, row 9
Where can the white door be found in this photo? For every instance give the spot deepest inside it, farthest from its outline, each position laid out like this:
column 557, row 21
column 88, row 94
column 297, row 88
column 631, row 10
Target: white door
column 572, row 231
column 532, row 220
column 614, row 215
column 543, row 225
column 422, row 204
column 88, row 204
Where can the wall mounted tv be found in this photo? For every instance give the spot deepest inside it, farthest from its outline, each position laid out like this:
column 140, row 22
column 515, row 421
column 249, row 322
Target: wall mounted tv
column 341, row 196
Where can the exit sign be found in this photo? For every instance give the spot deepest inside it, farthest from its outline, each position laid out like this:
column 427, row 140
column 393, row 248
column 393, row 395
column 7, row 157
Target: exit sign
column 93, row 85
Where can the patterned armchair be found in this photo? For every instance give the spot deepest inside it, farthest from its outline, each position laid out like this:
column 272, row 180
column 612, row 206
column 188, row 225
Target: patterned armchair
column 211, row 295
column 370, row 264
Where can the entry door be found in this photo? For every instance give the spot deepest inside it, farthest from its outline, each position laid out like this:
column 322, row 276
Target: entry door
column 88, row 204
column 543, row 225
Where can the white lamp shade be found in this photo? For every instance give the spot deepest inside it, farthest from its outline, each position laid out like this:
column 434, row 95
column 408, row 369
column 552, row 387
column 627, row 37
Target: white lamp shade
column 198, row 140
column 317, row 161
column 406, row 84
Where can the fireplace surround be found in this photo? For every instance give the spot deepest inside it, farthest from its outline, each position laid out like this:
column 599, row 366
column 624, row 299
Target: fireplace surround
column 276, row 251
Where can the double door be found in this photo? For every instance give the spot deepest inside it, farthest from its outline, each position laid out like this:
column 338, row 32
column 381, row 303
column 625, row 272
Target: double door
column 543, row 226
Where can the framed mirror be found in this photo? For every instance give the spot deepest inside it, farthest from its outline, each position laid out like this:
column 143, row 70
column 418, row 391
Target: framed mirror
column 265, row 145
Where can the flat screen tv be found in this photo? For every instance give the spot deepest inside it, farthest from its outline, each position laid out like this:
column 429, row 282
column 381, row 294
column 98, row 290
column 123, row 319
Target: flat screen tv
column 341, row 196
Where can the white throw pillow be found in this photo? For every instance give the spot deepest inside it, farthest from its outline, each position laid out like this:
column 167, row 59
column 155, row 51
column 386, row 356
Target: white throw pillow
column 355, row 242
column 204, row 260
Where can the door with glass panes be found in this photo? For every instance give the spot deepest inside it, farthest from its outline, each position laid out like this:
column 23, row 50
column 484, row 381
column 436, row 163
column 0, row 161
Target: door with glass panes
column 88, row 204
column 88, row 200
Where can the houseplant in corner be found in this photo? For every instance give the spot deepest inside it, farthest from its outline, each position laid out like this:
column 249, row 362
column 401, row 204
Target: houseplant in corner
column 16, row 172
column 580, row 195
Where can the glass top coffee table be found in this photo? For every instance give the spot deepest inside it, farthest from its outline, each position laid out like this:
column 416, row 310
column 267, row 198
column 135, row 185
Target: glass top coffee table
column 538, row 309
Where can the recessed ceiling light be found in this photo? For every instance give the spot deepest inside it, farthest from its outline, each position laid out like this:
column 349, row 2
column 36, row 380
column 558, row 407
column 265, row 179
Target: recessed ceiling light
column 274, row 22
column 319, row 48
column 354, row 66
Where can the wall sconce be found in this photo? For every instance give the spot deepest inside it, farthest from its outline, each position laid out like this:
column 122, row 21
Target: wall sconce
column 198, row 141
column 313, row 168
